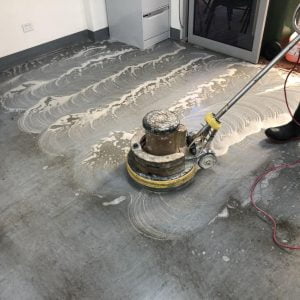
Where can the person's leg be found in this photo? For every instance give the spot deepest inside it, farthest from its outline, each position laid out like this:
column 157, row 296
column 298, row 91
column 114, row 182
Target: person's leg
column 285, row 132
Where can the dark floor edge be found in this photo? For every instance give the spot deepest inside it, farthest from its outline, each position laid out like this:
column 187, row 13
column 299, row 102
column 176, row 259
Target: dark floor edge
column 99, row 35
column 175, row 34
column 31, row 53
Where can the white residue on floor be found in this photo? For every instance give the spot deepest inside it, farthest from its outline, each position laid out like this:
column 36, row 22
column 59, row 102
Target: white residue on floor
column 222, row 215
column 226, row 258
column 115, row 201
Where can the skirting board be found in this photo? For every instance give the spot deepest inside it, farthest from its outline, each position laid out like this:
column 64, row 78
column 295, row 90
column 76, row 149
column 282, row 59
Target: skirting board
column 175, row 34
column 31, row 53
column 99, row 35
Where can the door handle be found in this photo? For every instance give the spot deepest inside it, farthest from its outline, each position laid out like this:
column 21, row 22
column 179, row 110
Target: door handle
column 156, row 12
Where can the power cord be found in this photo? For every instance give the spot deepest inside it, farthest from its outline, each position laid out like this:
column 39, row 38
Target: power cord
column 260, row 178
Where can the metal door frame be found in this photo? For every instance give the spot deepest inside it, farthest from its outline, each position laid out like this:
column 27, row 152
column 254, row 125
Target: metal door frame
column 251, row 56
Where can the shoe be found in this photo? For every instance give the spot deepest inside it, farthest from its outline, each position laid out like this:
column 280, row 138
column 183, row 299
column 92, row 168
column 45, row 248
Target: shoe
column 284, row 133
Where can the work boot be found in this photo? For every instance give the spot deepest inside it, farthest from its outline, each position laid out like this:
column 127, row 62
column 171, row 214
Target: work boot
column 285, row 132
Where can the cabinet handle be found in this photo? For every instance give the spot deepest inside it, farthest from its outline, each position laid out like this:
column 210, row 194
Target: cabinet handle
column 156, row 12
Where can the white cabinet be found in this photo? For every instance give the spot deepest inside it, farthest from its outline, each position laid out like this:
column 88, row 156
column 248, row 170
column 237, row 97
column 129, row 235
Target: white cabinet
column 152, row 5
column 141, row 23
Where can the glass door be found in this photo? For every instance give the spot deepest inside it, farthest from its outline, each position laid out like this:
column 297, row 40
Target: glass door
column 233, row 27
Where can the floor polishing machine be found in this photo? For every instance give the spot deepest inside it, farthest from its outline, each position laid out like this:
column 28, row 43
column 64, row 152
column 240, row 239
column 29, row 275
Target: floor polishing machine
column 163, row 155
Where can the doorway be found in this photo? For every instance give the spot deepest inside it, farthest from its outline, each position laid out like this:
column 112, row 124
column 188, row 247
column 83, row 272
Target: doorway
column 233, row 27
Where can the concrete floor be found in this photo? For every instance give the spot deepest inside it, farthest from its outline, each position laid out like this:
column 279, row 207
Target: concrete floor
column 73, row 227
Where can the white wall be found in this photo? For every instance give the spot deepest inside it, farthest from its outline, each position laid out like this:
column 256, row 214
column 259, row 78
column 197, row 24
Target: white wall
column 51, row 20
column 175, row 23
column 175, row 13
column 95, row 14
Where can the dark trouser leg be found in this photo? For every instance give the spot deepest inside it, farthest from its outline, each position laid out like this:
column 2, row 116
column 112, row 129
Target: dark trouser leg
column 297, row 114
column 286, row 132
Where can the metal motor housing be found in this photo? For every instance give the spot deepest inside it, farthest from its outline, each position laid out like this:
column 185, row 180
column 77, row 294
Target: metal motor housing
column 157, row 156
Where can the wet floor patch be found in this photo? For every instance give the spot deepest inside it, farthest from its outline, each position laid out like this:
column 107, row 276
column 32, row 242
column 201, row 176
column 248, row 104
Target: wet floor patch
column 86, row 107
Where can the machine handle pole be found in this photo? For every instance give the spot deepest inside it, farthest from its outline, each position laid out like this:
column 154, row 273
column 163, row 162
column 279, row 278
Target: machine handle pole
column 251, row 83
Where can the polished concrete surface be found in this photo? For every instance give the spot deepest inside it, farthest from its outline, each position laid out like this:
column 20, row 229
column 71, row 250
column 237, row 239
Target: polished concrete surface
column 73, row 226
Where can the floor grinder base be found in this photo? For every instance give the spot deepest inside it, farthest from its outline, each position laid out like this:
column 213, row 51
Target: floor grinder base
column 157, row 156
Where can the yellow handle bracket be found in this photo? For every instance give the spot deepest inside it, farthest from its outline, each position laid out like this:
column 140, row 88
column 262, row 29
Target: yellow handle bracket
column 211, row 120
